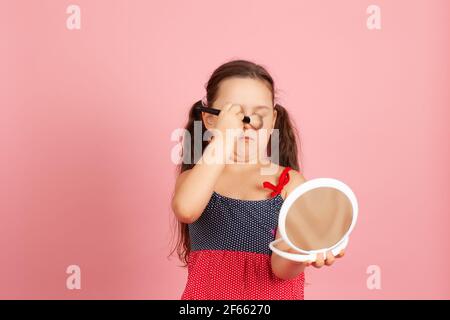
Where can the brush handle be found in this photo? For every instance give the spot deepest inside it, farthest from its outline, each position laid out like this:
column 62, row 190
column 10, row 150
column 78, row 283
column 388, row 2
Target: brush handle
column 217, row 111
column 208, row 110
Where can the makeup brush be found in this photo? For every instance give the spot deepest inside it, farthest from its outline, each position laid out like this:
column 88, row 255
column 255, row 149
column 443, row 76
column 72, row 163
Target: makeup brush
column 254, row 120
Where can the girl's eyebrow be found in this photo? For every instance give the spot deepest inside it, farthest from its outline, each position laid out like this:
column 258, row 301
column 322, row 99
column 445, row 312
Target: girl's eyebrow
column 262, row 107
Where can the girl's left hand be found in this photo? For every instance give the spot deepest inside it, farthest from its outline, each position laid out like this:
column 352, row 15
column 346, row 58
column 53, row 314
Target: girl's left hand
column 330, row 258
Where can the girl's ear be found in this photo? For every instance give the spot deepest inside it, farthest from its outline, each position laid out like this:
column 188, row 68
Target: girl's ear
column 208, row 120
column 274, row 118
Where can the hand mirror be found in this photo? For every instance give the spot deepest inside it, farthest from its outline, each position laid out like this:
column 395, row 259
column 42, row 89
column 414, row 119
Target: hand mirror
column 317, row 216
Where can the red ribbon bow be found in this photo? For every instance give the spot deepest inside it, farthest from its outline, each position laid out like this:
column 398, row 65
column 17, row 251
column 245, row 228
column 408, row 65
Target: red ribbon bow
column 282, row 181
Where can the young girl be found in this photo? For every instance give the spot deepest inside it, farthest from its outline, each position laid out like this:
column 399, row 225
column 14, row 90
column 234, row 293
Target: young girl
column 227, row 209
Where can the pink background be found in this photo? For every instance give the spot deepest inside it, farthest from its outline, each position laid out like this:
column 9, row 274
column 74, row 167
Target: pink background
column 86, row 117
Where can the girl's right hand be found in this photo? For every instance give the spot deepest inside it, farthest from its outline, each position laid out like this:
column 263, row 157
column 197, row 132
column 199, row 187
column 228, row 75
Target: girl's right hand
column 229, row 127
column 230, row 117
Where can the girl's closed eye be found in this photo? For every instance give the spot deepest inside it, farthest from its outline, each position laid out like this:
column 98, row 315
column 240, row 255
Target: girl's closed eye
column 262, row 111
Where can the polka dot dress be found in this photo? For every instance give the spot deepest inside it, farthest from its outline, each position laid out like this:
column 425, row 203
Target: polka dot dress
column 230, row 254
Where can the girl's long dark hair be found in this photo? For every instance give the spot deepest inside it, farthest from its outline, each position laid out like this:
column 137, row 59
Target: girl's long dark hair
column 288, row 135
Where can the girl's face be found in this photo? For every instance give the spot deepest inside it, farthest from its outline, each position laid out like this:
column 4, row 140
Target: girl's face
column 255, row 97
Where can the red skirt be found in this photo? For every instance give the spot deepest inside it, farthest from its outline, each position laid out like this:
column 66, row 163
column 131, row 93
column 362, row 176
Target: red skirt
column 237, row 275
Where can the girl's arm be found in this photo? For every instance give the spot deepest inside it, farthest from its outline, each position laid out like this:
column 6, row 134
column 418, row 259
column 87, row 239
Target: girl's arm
column 194, row 187
column 283, row 268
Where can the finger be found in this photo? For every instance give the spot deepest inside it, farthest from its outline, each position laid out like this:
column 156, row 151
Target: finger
column 236, row 108
column 330, row 258
column 227, row 106
column 319, row 261
column 341, row 254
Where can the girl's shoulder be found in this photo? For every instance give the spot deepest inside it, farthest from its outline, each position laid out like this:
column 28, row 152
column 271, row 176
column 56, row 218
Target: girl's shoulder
column 296, row 178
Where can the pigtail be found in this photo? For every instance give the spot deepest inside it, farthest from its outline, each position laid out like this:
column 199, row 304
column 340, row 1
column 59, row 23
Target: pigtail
column 289, row 141
column 183, row 240
column 189, row 159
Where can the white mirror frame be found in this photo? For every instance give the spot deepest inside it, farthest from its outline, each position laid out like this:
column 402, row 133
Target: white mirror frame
column 312, row 255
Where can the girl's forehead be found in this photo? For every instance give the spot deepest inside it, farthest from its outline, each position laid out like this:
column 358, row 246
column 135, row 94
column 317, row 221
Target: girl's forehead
column 252, row 107
column 251, row 104
column 248, row 92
